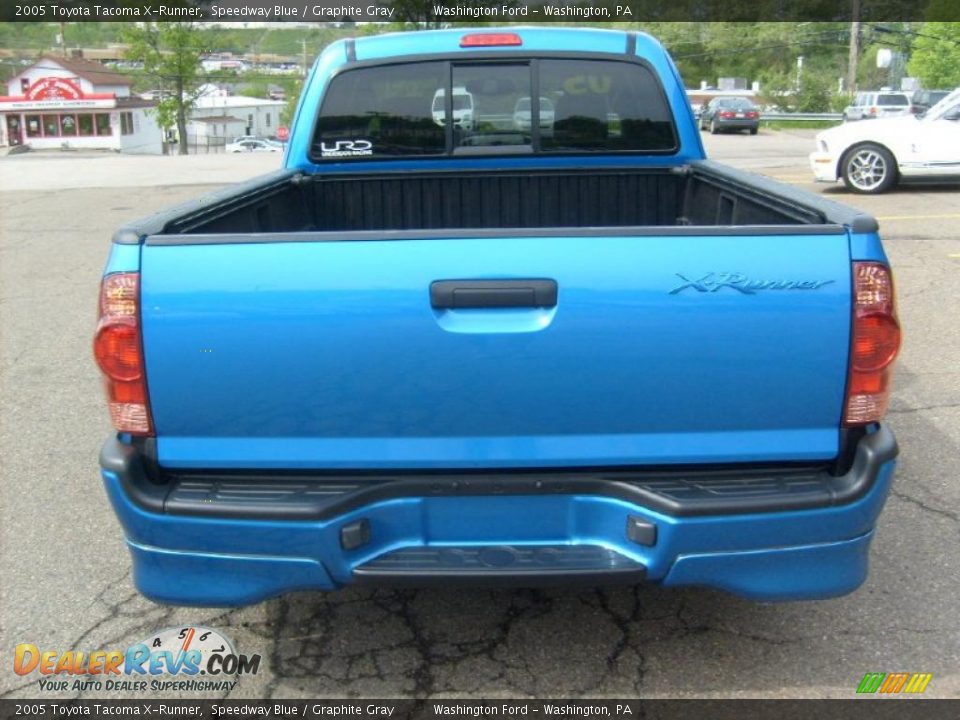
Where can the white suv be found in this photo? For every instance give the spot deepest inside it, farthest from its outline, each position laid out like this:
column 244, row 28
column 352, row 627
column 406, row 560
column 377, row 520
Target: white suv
column 868, row 105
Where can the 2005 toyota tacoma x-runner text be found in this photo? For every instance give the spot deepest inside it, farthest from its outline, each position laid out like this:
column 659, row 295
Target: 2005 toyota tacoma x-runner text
column 562, row 349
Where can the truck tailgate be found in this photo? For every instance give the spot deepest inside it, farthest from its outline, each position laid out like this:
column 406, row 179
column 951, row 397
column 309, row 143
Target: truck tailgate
column 659, row 349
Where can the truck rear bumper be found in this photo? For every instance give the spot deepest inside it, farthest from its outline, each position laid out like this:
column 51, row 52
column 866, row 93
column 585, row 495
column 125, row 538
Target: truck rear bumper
column 812, row 544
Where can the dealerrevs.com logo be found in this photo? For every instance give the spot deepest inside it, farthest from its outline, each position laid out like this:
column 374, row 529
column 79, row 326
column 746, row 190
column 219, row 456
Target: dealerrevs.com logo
column 184, row 658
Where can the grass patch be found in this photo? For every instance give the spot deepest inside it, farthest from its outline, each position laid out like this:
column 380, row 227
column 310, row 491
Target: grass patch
column 795, row 124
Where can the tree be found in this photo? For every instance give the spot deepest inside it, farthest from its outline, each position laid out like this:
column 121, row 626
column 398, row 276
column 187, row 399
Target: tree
column 171, row 52
column 293, row 99
column 936, row 55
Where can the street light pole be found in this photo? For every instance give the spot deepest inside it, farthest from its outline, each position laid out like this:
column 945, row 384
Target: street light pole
column 854, row 54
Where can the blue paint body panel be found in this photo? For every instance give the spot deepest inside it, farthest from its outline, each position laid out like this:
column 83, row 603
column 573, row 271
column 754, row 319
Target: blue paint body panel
column 866, row 247
column 328, row 354
column 122, row 258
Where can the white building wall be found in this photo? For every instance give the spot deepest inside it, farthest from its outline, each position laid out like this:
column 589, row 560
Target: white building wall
column 262, row 116
column 147, row 137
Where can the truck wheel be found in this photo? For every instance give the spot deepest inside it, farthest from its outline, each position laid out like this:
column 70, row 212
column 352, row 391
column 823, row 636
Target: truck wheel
column 868, row 169
column 713, row 127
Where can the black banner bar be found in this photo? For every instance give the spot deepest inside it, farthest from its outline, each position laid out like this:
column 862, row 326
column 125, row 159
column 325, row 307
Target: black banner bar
column 434, row 12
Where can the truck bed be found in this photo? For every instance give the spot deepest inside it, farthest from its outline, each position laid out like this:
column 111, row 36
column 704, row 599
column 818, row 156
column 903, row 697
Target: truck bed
column 700, row 195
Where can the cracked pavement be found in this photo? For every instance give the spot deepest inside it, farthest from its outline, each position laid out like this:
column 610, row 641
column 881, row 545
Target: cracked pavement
column 64, row 571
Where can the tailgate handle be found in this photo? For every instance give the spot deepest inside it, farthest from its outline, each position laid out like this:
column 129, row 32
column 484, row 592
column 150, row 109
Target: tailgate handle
column 456, row 294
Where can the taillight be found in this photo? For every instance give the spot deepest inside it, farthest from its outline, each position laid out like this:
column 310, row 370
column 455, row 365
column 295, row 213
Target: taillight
column 874, row 346
column 118, row 349
column 490, row 40
column 752, row 114
column 727, row 114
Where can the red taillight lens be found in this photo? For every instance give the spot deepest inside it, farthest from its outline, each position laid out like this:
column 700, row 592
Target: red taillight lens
column 490, row 40
column 875, row 343
column 876, row 340
column 118, row 349
column 753, row 115
column 727, row 114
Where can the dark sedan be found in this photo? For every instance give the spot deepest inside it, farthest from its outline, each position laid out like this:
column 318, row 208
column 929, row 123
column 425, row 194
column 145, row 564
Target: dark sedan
column 735, row 113
column 923, row 100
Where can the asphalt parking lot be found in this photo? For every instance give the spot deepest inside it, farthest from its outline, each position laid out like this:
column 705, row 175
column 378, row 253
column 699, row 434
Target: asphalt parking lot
column 64, row 571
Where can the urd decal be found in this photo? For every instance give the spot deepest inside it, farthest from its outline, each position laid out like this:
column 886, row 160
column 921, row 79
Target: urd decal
column 346, row 148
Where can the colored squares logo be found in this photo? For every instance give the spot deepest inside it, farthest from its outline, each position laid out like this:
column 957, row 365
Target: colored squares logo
column 894, row 683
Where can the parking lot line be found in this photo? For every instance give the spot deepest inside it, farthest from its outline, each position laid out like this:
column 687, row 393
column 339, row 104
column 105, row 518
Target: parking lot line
column 946, row 216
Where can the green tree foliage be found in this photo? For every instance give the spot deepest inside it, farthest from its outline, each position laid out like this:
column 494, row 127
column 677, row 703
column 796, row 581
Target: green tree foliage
column 293, row 98
column 936, row 55
column 813, row 95
column 171, row 53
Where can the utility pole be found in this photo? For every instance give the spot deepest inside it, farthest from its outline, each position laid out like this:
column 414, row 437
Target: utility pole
column 63, row 39
column 303, row 44
column 854, row 55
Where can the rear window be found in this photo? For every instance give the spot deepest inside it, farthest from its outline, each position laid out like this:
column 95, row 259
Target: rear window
column 892, row 100
column 382, row 111
column 737, row 103
column 448, row 107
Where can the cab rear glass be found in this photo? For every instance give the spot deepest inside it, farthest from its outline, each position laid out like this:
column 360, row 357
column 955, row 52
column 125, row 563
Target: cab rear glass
column 444, row 107
column 892, row 100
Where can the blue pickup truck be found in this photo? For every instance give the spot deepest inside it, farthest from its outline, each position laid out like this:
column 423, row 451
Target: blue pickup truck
column 454, row 342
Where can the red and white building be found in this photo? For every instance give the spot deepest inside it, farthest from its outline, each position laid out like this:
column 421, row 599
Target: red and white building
column 76, row 103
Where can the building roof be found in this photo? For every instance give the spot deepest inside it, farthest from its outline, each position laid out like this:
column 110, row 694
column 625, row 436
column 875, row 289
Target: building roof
column 209, row 102
column 95, row 72
column 218, row 119
column 135, row 102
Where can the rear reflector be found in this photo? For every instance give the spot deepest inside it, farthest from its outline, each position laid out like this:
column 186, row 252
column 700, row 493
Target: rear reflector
column 490, row 40
column 874, row 345
column 118, row 349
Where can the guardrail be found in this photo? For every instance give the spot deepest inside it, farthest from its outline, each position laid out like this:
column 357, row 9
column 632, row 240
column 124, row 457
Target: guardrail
column 801, row 117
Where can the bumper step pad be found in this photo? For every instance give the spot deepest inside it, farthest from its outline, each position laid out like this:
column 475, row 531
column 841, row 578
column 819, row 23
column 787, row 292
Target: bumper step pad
column 501, row 565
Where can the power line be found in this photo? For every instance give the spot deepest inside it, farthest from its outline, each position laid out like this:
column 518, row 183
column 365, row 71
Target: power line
column 739, row 51
column 895, row 31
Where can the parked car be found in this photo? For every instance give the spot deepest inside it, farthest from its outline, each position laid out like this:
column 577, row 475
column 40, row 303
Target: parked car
column 923, row 100
column 734, row 113
column 522, row 114
column 257, row 146
column 463, row 108
column 597, row 357
column 877, row 104
column 874, row 157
